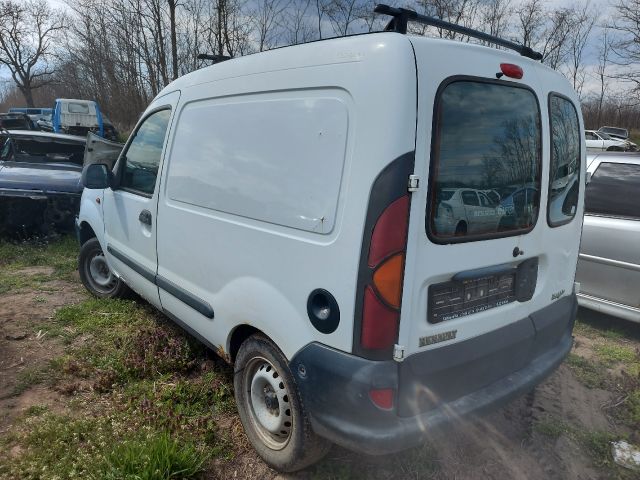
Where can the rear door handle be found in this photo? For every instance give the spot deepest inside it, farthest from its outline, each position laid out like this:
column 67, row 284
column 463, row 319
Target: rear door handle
column 145, row 217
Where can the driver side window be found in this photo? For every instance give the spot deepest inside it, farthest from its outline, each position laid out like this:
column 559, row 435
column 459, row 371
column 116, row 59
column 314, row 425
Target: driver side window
column 142, row 158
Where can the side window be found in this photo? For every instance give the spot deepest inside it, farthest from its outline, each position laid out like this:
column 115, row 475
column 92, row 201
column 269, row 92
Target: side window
column 613, row 191
column 484, row 201
column 470, row 198
column 142, row 158
column 565, row 161
column 591, row 136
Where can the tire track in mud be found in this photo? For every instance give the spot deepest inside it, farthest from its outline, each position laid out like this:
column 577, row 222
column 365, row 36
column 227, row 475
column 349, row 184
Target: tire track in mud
column 545, row 404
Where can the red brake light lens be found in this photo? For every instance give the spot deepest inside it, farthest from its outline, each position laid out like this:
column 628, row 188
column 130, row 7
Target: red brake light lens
column 379, row 323
column 511, row 70
column 382, row 398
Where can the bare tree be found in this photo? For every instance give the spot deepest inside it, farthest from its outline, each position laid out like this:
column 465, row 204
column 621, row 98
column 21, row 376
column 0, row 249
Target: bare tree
column 601, row 71
column 626, row 24
column 495, row 16
column 27, row 32
column 578, row 37
column 342, row 13
column 265, row 17
column 296, row 23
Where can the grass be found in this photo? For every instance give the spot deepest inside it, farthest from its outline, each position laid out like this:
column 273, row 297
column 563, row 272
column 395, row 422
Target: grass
column 59, row 256
column 156, row 457
column 615, row 366
column 596, row 443
column 591, row 374
column 151, row 396
column 551, row 427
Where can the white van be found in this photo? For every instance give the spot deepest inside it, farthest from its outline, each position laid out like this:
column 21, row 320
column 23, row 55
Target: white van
column 283, row 208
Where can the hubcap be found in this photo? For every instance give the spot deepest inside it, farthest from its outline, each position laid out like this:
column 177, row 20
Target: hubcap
column 100, row 272
column 268, row 402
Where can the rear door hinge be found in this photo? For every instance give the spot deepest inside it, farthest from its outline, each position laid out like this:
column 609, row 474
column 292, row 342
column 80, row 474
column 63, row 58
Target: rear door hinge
column 398, row 352
column 414, row 183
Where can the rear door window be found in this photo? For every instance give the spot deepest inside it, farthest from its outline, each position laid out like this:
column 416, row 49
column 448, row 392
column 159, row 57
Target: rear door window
column 613, row 191
column 486, row 139
column 564, row 171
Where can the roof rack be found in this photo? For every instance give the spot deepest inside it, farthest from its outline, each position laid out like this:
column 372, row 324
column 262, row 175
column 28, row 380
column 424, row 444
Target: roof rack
column 214, row 58
column 402, row 16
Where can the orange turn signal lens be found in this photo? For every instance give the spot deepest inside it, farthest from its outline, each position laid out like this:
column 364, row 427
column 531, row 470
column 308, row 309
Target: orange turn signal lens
column 388, row 280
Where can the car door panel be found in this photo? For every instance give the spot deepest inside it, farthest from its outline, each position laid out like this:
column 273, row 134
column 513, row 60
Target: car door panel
column 130, row 207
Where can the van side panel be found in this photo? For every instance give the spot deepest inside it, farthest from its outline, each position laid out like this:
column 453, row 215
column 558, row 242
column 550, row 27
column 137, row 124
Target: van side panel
column 342, row 111
column 274, row 157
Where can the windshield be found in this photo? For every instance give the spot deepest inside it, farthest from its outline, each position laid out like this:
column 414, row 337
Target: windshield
column 498, row 155
column 46, row 151
column 14, row 123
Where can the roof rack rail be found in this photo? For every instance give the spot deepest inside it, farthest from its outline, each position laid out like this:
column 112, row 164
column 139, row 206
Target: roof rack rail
column 214, row 58
column 402, row 16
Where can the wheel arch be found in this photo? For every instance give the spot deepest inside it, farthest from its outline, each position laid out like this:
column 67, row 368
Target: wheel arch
column 237, row 336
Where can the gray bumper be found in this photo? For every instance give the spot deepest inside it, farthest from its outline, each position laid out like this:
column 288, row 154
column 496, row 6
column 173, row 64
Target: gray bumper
column 434, row 388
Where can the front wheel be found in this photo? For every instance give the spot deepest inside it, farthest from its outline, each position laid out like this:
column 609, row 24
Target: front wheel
column 271, row 409
column 95, row 273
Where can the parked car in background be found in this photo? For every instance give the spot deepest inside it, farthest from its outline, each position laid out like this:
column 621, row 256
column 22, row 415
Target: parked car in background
column 16, row 121
column 40, row 183
column 616, row 132
column 620, row 134
column 77, row 117
column 35, row 113
column 518, row 206
column 600, row 141
column 464, row 210
column 609, row 265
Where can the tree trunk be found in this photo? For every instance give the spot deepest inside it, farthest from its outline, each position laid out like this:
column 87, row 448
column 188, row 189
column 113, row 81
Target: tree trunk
column 28, row 95
column 174, row 40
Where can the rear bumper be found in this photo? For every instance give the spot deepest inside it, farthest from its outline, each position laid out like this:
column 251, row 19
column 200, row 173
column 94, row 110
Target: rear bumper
column 434, row 388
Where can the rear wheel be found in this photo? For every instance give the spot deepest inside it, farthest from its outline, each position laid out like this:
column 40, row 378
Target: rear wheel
column 95, row 273
column 461, row 228
column 271, row 409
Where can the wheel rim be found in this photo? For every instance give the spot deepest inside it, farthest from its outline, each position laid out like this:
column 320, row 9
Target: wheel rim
column 268, row 403
column 100, row 273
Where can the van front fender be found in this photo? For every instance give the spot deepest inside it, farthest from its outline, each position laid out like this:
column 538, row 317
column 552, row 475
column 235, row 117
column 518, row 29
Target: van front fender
column 91, row 215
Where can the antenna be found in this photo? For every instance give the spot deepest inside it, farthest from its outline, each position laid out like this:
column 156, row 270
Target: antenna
column 402, row 16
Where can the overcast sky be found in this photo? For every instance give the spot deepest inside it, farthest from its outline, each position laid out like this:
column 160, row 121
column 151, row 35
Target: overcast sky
column 590, row 57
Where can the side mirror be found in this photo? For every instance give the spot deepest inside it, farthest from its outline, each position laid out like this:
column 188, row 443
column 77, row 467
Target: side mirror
column 587, row 178
column 96, row 176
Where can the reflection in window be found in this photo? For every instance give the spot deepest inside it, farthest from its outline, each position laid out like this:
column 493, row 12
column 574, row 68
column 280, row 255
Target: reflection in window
column 486, row 159
column 565, row 161
column 143, row 156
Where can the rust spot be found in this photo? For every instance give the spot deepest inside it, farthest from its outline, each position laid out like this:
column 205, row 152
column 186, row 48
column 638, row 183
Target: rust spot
column 222, row 354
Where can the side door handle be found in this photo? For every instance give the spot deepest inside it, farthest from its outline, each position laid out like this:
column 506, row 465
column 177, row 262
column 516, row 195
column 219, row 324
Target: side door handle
column 145, row 217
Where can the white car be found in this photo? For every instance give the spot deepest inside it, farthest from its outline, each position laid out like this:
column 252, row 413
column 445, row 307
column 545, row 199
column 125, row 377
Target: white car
column 601, row 141
column 283, row 208
column 463, row 210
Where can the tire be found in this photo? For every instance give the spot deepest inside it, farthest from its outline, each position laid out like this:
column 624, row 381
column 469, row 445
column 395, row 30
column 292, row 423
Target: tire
column 461, row 229
column 271, row 409
column 95, row 273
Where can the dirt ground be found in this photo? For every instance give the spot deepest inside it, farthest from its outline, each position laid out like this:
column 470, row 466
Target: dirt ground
column 559, row 431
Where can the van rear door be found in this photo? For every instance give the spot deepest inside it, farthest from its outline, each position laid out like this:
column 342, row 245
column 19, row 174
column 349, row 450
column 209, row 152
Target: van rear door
column 486, row 133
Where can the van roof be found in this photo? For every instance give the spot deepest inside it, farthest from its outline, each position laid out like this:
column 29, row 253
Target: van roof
column 329, row 51
column 73, row 100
